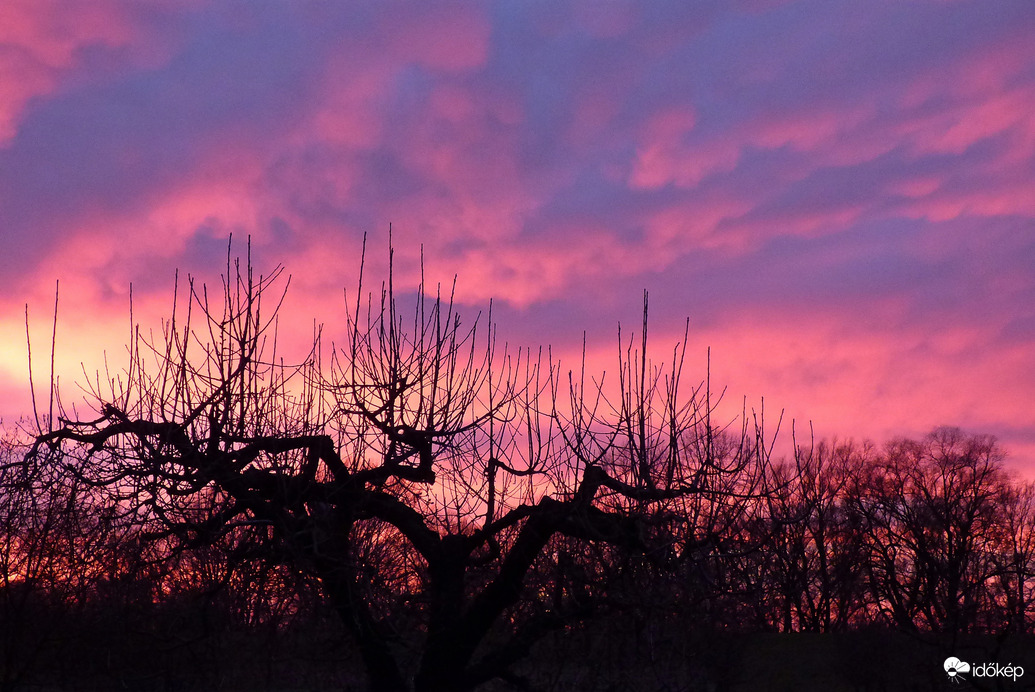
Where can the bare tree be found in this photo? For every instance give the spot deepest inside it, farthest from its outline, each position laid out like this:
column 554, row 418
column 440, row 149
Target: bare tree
column 455, row 503
column 57, row 544
column 1012, row 600
column 814, row 544
column 930, row 511
column 425, row 470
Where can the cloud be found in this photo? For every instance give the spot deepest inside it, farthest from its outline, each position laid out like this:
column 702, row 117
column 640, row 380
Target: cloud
column 41, row 43
column 838, row 197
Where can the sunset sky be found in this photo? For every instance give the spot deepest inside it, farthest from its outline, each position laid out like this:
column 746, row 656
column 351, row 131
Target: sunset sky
column 840, row 195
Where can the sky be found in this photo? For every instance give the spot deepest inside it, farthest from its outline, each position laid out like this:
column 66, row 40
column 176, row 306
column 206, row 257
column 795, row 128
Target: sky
column 840, row 196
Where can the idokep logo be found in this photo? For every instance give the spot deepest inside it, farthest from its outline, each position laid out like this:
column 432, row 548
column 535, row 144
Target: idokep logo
column 956, row 670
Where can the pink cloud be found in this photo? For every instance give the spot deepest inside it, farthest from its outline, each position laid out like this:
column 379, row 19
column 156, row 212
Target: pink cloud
column 42, row 42
column 808, row 193
column 665, row 154
column 448, row 36
column 864, row 382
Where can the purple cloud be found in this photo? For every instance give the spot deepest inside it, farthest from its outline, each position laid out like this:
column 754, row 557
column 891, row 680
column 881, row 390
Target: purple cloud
column 838, row 196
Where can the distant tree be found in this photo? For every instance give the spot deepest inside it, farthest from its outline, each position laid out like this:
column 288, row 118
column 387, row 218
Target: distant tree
column 931, row 514
column 1011, row 606
column 814, row 545
column 57, row 541
column 453, row 499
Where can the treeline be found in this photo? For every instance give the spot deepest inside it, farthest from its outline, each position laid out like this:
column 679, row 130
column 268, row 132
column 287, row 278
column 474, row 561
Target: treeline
column 420, row 509
column 928, row 536
column 91, row 599
column 922, row 535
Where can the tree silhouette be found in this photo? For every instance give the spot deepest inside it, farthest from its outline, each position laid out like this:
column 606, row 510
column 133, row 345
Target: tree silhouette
column 464, row 513
column 434, row 483
column 931, row 511
column 814, row 542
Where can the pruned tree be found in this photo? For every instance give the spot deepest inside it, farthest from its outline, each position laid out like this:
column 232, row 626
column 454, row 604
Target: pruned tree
column 423, row 476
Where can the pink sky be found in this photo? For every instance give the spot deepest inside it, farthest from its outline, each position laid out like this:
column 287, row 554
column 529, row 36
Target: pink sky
column 840, row 195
